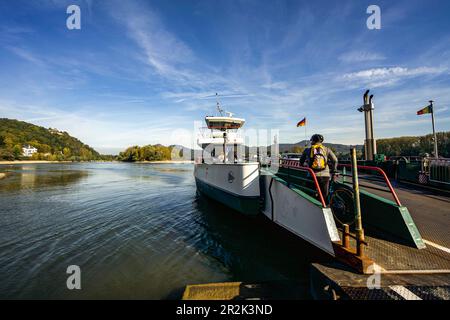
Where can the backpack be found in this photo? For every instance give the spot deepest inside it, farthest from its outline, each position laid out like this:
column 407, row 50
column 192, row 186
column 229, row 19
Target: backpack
column 318, row 159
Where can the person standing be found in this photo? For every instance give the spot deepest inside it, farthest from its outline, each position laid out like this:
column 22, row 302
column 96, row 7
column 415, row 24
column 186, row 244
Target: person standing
column 320, row 158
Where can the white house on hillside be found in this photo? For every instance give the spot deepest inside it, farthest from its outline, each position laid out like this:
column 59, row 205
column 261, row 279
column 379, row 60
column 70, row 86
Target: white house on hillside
column 28, row 151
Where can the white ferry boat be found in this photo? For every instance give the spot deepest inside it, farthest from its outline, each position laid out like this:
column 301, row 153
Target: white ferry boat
column 221, row 173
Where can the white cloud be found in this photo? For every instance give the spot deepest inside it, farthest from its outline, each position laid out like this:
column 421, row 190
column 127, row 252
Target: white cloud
column 275, row 85
column 162, row 50
column 360, row 56
column 24, row 54
column 393, row 72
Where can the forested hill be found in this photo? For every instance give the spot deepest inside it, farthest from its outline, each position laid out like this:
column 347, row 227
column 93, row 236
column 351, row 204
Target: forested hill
column 415, row 146
column 51, row 143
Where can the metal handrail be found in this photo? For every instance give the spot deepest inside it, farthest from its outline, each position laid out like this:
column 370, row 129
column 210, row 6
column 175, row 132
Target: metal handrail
column 438, row 170
column 295, row 164
column 383, row 174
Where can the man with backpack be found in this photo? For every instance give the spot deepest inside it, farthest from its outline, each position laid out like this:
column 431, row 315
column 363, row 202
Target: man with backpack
column 320, row 158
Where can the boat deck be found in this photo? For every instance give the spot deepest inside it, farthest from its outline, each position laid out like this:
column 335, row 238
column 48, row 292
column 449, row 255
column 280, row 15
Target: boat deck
column 430, row 211
column 431, row 214
column 336, row 281
column 392, row 257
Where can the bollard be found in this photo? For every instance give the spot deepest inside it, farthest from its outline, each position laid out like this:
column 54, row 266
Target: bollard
column 359, row 229
column 346, row 236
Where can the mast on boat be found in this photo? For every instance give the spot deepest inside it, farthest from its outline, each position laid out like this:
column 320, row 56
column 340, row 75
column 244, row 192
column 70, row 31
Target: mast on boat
column 223, row 122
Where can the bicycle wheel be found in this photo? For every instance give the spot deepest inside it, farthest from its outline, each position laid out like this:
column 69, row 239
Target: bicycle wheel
column 341, row 204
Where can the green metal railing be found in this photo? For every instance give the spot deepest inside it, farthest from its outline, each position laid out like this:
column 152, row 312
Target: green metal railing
column 440, row 170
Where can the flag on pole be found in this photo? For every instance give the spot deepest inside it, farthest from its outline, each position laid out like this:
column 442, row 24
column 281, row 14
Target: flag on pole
column 301, row 123
column 427, row 109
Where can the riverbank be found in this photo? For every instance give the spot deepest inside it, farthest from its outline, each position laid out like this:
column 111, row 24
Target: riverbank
column 31, row 162
column 44, row 161
column 167, row 162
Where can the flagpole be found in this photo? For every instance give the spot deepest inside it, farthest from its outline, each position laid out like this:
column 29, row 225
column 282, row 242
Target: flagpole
column 434, row 131
column 305, row 135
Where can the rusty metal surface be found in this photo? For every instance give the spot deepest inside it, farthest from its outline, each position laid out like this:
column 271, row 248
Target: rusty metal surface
column 348, row 284
column 358, row 293
column 431, row 292
column 430, row 212
column 394, row 256
column 421, row 292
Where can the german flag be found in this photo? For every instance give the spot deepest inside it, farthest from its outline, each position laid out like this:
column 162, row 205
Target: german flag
column 301, row 123
column 427, row 109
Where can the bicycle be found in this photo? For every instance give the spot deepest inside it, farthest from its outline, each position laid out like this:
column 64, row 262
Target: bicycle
column 341, row 203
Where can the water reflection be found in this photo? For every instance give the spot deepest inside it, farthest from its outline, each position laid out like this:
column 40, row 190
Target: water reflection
column 136, row 230
column 29, row 178
column 253, row 248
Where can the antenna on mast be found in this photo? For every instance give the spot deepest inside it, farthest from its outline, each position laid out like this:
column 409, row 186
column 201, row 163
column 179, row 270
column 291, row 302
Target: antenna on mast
column 218, row 105
column 222, row 111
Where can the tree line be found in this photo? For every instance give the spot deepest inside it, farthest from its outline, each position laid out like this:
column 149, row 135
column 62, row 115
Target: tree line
column 55, row 145
column 415, row 146
column 156, row 152
column 399, row 146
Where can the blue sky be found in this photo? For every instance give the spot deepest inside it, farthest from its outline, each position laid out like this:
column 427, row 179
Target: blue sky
column 138, row 71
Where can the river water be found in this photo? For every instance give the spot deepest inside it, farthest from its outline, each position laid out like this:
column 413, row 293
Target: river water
column 136, row 231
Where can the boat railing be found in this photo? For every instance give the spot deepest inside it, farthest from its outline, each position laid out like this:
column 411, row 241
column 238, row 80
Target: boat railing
column 377, row 170
column 295, row 165
column 439, row 170
column 206, row 133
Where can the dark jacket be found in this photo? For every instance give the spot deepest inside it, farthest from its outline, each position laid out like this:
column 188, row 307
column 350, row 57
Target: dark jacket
column 331, row 160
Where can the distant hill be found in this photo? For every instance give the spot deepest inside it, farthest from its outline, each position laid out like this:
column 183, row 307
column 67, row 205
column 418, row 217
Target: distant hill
column 51, row 144
column 283, row 148
column 336, row 147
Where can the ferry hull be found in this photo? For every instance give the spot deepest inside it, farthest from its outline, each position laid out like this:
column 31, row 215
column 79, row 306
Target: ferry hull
column 234, row 185
column 245, row 205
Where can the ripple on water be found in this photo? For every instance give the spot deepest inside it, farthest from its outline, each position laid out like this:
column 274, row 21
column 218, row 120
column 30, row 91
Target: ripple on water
column 136, row 231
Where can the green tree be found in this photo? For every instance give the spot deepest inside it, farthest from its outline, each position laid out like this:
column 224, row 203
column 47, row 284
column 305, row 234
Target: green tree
column 67, row 153
column 146, row 153
column 17, row 151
